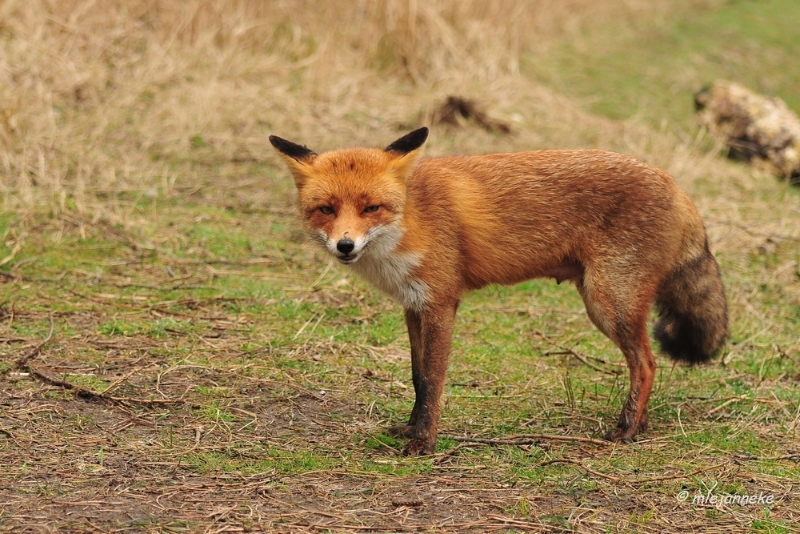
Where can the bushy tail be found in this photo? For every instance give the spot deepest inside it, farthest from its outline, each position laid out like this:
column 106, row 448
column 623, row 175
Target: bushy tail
column 693, row 322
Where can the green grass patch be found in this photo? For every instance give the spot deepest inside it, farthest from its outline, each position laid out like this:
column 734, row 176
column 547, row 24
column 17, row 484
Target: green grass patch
column 274, row 461
column 649, row 70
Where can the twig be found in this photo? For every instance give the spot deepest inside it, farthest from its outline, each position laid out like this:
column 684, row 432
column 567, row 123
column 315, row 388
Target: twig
column 324, row 272
column 726, row 403
column 579, row 464
column 149, row 402
column 790, row 456
column 44, row 377
column 634, row 481
column 579, row 356
column 305, row 325
column 23, row 360
column 90, row 394
column 528, row 439
column 672, row 477
column 122, row 379
column 449, row 454
column 22, row 363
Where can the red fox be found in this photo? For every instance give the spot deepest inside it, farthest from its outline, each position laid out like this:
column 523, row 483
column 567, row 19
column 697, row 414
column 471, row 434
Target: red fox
column 425, row 230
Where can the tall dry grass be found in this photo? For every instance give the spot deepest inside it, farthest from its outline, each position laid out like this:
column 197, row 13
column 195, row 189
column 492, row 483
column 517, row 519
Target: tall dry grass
column 101, row 99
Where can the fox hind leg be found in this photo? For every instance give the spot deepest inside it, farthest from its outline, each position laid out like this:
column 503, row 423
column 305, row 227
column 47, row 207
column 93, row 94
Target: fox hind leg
column 622, row 317
column 642, row 365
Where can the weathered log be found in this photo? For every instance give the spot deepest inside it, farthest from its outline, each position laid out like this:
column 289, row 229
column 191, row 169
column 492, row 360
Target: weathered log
column 758, row 129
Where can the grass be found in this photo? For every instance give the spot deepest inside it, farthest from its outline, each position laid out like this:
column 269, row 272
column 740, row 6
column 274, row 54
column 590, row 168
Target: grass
column 209, row 370
column 632, row 74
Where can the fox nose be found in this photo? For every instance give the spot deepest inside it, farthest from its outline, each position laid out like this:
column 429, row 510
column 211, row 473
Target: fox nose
column 345, row 245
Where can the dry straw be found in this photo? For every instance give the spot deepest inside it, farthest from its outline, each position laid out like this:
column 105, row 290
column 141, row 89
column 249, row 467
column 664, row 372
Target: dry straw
column 103, row 103
column 100, row 101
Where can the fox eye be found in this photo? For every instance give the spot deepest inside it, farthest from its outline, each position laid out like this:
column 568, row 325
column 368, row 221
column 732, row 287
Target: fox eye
column 372, row 209
column 326, row 210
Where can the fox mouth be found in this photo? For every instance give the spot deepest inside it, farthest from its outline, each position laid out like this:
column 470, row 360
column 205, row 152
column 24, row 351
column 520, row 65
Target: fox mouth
column 348, row 258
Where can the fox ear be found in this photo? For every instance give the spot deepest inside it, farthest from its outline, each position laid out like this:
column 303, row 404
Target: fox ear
column 406, row 151
column 298, row 158
column 409, row 142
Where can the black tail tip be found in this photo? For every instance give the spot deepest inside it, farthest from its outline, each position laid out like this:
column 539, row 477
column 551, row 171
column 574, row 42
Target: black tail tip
column 687, row 342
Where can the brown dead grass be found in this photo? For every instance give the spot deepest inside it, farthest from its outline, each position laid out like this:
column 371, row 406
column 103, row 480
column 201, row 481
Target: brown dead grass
column 99, row 100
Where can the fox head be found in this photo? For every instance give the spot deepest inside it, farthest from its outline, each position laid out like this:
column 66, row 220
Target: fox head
column 352, row 200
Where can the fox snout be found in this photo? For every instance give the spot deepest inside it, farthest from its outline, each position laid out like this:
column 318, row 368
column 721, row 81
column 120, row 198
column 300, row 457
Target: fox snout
column 345, row 245
column 346, row 249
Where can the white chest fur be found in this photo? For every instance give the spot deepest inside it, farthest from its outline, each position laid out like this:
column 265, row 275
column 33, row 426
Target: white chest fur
column 392, row 273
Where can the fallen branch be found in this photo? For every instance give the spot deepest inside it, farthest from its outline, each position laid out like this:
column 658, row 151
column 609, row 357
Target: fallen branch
column 44, row 377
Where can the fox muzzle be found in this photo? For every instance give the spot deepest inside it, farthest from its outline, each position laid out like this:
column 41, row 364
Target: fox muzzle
column 345, row 245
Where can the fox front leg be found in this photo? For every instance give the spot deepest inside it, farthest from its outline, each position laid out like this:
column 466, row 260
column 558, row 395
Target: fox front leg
column 414, row 324
column 430, row 333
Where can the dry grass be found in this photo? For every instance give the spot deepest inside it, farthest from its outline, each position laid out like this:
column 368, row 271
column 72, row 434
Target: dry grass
column 97, row 101
column 208, row 372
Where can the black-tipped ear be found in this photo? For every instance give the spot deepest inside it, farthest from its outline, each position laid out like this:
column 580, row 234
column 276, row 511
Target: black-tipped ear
column 287, row 148
column 409, row 142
